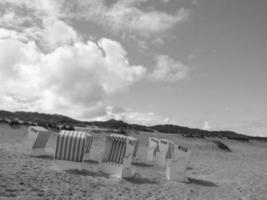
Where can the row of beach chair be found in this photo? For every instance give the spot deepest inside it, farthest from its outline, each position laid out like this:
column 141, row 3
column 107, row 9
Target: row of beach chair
column 73, row 149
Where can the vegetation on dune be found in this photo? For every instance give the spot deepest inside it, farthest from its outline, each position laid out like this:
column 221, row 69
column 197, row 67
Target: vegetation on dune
column 193, row 132
column 63, row 122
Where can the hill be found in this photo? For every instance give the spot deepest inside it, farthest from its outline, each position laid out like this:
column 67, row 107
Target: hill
column 55, row 121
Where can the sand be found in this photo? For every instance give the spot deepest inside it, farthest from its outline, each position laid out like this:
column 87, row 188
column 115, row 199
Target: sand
column 214, row 174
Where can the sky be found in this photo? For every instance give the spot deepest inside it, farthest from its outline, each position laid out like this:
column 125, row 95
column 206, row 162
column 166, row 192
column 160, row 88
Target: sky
column 194, row 63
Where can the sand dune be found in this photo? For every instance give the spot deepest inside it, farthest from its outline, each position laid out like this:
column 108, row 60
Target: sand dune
column 214, row 174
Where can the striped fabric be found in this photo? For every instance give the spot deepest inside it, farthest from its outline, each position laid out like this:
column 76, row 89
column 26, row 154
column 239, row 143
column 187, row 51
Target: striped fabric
column 40, row 137
column 136, row 148
column 41, row 140
column 118, row 148
column 89, row 143
column 154, row 143
column 156, row 149
column 170, row 152
column 72, row 145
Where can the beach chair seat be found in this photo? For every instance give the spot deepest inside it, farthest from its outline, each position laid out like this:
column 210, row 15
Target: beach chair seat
column 117, row 157
column 72, row 149
column 37, row 140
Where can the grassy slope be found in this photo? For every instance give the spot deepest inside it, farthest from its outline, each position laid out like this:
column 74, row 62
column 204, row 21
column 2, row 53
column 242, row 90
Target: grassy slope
column 49, row 120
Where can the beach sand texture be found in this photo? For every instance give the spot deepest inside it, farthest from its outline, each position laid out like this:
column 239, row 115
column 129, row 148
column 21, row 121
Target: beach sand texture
column 213, row 174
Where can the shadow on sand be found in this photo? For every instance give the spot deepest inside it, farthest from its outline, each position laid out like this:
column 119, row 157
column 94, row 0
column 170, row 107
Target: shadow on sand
column 45, row 157
column 189, row 168
column 201, row 182
column 87, row 173
column 91, row 161
column 142, row 164
column 138, row 179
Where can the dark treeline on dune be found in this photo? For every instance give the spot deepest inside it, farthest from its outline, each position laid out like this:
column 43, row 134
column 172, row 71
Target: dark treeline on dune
column 56, row 121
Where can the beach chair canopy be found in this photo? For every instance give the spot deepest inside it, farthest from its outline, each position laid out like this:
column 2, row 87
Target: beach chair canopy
column 153, row 142
column 39, row 136
column 117, row 157
column 72, row 145
column 116, row 146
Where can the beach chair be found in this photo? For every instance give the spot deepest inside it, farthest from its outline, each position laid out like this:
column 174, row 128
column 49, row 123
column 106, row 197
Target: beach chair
column 117, row 157
column 37, row 140
column 152, row 149
column 72, row 149
column 177, row 165
column 165, row 151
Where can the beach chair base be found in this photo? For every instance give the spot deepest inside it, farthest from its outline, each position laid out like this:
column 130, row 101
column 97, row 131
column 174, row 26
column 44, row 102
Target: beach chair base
column 175, row 170
column 115, row 170
column 38, row 152
column 68, row 165
column 86, row 156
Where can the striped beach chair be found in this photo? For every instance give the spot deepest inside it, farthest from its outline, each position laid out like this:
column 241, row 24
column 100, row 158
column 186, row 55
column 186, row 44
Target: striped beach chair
column 37, row 139
column 72, row 149
column 117, row 157
column 152, row 149
column 178, row 163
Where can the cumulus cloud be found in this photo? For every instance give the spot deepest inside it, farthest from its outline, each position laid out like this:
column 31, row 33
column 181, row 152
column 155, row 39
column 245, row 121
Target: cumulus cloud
column 72, row 77
column 40, row 21
column 133, row 19
column 168, row 69
column 46, row 66
column 10, row 34
column 125, row 16
column 206, row 126
column 56, row 33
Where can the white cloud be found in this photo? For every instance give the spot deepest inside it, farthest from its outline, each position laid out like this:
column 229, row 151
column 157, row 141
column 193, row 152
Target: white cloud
column 68, row 80
column 57, row 33
column 10, row 34
column 45, row 66
column 169, row 70
column 132, row 19
column 40, row 8
column 206, row 126
column 127, row 17
column 36, row 20
column 18, row 68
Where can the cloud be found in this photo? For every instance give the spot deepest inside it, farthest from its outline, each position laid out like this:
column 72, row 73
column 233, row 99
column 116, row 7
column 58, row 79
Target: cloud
column 72, row 77
column 46, row 66
column 40, row 8
column 38, row 21
column 206, row 126
column 132, row 19
column 168, row 69
column 126, row 17
column 56, row 33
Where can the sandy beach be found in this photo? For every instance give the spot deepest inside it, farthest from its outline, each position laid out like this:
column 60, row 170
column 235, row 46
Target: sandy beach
column 213, row 173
